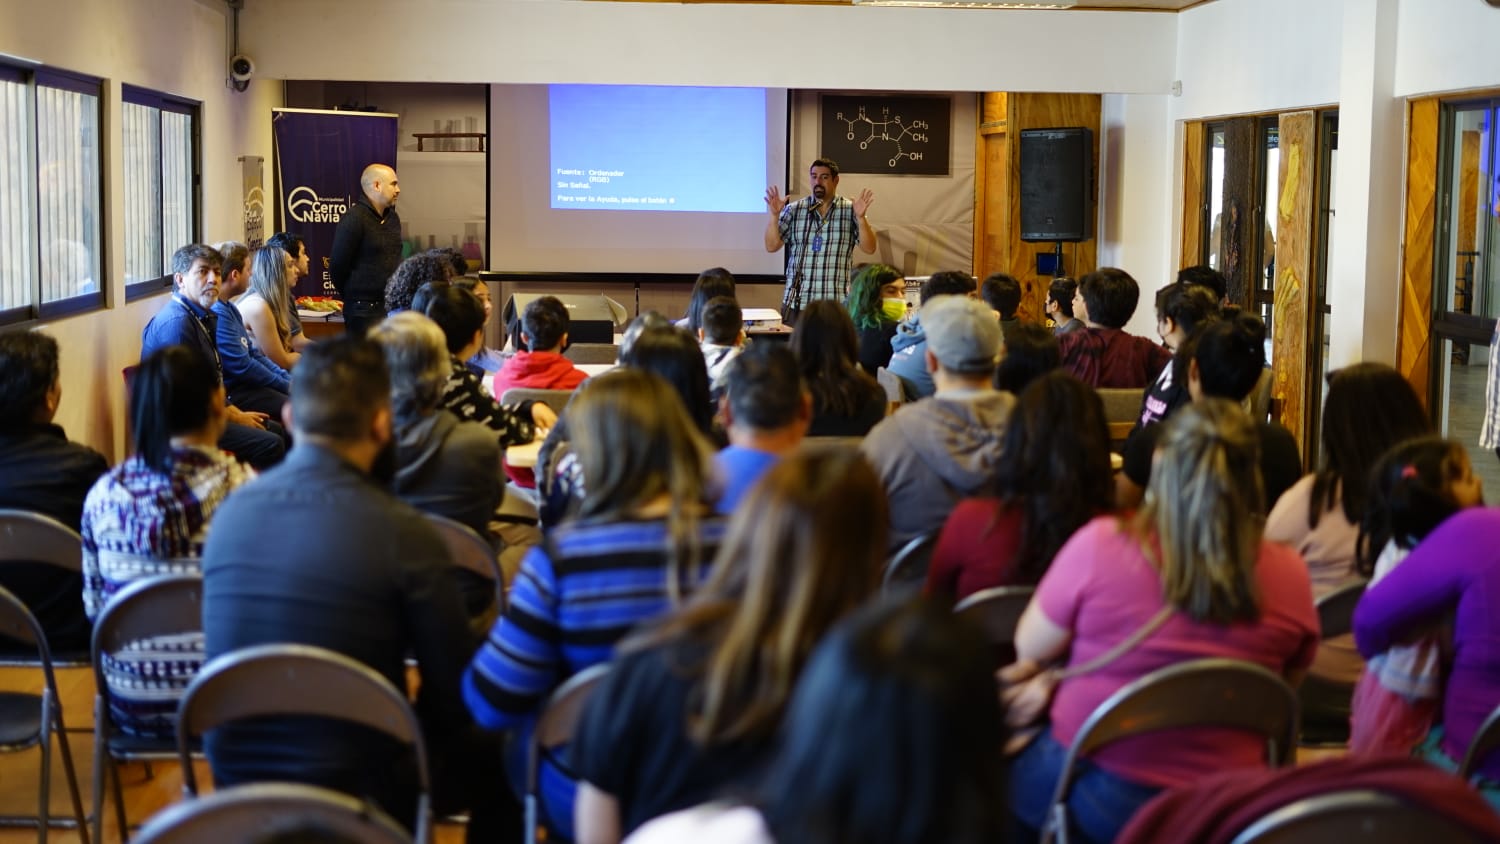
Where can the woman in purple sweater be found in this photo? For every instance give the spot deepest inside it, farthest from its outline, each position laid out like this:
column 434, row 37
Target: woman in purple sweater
column 1457, row 568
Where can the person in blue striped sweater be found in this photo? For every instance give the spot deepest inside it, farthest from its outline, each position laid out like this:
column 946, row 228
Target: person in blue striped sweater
column 643, row 537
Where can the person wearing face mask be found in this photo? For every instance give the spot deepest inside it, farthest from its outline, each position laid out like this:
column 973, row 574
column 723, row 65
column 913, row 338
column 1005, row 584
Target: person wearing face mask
column 877, row 304
column 358, row 572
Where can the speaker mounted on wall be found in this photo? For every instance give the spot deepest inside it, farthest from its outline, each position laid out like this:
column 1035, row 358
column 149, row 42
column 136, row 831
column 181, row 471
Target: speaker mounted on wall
column 1057, row 170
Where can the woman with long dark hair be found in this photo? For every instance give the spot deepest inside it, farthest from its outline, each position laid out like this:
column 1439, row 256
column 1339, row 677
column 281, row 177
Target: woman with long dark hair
column 1054, row 476
column 149, row 516
column 694, row 705
column 847, row 402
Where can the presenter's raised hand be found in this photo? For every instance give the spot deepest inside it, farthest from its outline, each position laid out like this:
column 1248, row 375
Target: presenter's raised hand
column 774, row 200
column 863, row 201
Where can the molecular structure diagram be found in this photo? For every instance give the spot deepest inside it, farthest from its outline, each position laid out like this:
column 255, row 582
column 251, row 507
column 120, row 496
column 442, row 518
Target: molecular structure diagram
column 888, row 128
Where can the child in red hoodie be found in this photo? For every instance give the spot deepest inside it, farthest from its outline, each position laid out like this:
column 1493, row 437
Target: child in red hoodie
column 544, row 330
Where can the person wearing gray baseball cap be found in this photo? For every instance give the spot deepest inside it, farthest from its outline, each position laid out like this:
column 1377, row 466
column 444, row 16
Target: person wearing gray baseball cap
column 934, row 452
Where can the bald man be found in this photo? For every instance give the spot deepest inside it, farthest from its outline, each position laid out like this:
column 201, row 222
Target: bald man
column 366, row 249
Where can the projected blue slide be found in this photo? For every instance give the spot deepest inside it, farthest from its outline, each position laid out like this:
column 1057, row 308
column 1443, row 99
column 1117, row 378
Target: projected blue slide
column 650, row 148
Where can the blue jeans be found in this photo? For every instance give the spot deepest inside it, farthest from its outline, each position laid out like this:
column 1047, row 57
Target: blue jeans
column 1099, row 803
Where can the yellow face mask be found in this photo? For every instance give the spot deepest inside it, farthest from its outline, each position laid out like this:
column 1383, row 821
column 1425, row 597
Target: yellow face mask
column 893, row 309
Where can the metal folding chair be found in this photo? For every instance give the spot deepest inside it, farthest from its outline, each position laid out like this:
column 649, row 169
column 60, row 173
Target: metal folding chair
column 1481, row 746
column 268, row 680
column 157, row 606
column 259, row 811
column 997, row 611
column 1197, row 693
column 470, row 552
column 27, row 537
column 907, row 568
column 1369, row 817
column 555, row 399
column 1325, row 703
column 28, row 720
column 555, row 727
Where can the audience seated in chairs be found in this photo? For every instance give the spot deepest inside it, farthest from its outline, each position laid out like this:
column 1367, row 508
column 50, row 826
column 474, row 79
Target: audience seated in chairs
column 42, row 472
column 443, row 465
column 1187, row 577
column 641, row 540
column 891, row 738
column 766, row 410
column 460, row 315
column 1369, row 408
column 1414, row 488
column 251, row 380
column 1059, row 306
column 932, row 453
column 544, row 330
column 710, row 284
column 295, row 249
column 1181, row 309
column 1003, row 294
column 149, row 516
column 409, row 277
column 693, row 708
column 186, row 319
column 909, row 346
column 317, row 552
column 486, row 360
column 1053, row 477
column 1224, row 359
column 846, row 400
column 1453, row 573
column 1102, row 354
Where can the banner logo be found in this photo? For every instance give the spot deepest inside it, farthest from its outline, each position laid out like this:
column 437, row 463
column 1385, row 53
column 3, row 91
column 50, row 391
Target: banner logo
column 305, row 206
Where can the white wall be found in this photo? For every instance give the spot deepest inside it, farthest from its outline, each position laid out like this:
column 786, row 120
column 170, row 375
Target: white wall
column 770, row 44
column 1136, row 197
column 176, row 46
column 1446, row 45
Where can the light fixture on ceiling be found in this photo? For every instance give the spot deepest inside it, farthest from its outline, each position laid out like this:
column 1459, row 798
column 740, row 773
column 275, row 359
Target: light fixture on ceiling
column 973, row 4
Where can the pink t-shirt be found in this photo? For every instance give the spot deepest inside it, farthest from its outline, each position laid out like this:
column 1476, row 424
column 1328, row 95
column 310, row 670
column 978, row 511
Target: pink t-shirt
column 1102, row 588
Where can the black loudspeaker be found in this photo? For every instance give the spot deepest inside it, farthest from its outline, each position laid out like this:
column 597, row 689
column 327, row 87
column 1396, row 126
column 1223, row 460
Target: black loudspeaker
column 591, row 317
column 1057, row 167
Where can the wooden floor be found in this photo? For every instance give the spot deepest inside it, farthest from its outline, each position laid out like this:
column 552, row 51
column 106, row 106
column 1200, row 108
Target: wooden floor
column 143, row 795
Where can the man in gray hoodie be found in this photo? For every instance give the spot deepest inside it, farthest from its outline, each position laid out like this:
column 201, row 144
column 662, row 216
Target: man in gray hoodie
column 909, row 346
column 933, row 453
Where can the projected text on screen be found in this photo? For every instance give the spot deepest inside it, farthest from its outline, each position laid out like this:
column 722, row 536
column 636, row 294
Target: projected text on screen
column 649, row 148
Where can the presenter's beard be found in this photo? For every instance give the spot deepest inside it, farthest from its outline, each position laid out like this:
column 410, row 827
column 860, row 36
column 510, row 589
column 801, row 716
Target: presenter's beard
column 819, row 192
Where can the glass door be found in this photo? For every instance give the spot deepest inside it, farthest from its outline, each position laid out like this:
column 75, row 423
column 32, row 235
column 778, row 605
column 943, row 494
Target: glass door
column 1466, row 280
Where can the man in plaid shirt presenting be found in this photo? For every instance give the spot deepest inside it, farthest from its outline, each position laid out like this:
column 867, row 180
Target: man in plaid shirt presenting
column 820, row 232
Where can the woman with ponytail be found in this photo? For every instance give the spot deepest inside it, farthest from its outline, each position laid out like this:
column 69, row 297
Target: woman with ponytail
column 1189, row 576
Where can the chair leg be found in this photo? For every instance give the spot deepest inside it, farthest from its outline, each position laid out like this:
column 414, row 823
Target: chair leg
column 119, row 794
column 101, row 759
column 531, row 818
column 44, row 790
column 72, row 775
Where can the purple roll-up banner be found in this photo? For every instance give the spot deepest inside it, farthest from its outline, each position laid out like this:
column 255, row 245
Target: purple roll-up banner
column 319, row 157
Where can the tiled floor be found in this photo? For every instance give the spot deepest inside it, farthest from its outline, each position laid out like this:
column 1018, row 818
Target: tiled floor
column 1465, row 415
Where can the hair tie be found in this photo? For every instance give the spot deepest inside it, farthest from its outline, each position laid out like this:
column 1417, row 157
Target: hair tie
column 1408, row 471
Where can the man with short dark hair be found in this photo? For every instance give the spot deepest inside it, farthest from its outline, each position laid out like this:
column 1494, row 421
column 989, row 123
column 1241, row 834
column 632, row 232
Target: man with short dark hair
column 1206, row 276
column 251, row 380
column 367, row 249
column 722, row 338
column 766, row 409
column 187, row 319
column 359, row 573
column 1060, row 306
column 1102, row 355
column 909, row 346
column 934, row 452
column 819, row 232
column 42, row 472
column 1002, row 293
column 544, row 330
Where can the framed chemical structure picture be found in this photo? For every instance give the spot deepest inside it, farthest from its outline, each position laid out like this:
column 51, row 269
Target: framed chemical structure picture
column 895, row 135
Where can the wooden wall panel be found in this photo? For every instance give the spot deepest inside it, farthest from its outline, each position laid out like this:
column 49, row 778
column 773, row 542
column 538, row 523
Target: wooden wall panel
column 1296, row 187
column 1464, row 228
column 991, row 186
column 1193, row 154
column 1234, row 230
column 1042, row 111
column 1414, row 323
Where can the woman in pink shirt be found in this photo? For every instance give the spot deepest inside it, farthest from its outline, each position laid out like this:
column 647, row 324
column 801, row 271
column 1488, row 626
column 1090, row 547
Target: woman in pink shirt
column 1196, row 547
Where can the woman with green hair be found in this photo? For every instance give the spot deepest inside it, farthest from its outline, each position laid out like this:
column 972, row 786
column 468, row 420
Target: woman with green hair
column 877, row 304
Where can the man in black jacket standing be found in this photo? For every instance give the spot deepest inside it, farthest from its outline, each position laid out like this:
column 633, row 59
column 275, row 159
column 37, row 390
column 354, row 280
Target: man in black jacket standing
column 366, row 249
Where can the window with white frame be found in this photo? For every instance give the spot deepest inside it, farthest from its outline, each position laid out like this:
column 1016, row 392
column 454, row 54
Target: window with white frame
column 160, row 146
column 51, row 208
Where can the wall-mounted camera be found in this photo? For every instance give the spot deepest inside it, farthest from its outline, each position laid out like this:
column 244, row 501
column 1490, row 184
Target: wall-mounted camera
column 241, row 68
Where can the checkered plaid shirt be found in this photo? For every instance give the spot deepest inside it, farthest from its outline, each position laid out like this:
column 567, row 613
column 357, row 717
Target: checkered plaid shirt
column 822, row 273
column 1489, row 435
